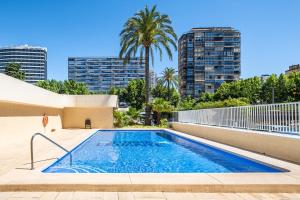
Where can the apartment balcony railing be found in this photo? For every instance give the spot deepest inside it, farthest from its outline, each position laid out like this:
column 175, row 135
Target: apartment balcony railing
column 280, row 118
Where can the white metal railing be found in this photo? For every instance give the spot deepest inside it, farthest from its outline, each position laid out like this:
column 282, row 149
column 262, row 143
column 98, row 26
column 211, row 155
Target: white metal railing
column 281, row 118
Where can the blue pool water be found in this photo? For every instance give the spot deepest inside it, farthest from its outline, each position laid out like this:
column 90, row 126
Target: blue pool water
column 122, row 151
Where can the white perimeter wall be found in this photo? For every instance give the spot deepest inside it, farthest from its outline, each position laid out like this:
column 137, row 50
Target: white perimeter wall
column 276, row 145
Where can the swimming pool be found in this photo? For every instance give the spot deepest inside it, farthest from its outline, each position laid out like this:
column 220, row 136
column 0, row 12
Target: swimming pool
column 151, row 151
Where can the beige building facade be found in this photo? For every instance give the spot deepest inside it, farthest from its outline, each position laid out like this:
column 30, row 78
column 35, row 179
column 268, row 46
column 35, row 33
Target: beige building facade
column 292, row 69
column 22, row 106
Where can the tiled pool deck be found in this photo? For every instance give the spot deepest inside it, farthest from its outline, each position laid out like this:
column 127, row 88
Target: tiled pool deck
column 145, row 196
column 16, row 176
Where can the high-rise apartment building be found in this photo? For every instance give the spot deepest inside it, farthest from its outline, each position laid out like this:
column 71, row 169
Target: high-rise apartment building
column 102, row 73
column 33, row 61
column 207, row 58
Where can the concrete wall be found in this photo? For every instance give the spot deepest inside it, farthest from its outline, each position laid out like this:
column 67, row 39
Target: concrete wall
column 26, row 119
column 17, row 91
column 22, row 106
column 100, row 117
column 283, row 147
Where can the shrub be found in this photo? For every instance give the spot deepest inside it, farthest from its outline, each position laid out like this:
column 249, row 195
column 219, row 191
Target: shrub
column 121, row 119
column 220, row 104
column 133, row 115
column 163, row 123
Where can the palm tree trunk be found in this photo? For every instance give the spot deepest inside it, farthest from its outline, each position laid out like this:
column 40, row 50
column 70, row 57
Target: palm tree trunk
column 169, row 94
column 158, row 118
column 148, row 108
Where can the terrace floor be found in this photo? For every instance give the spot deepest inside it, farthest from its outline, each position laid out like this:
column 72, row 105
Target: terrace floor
column 144, row 196
column 16, row 178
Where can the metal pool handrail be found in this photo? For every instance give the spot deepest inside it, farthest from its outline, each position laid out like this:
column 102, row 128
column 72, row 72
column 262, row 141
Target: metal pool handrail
column 31, row 147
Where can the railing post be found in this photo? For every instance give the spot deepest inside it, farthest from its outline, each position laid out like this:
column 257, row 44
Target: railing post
column 269, row 118
column 299, row 118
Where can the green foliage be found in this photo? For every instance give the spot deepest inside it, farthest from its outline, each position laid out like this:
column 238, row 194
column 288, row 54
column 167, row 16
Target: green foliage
column 170, row 80
column 293, row 87
column 220, row 104
column 134, row 94
column 160, row 91
column 130, row 117
column 164, row 123
column 134, row 115
column 249, row 88
column 187, row 104
column 121, row 119
column 14, row 70
column 159, row 106
column 64, row 87
column 120, row 92
column 206, row 97
column 145, row 31
column 286, row 89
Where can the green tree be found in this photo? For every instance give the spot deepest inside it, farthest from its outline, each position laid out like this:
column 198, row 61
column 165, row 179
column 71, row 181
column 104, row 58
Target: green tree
column 73, row 87
column 206, row 96
column 293, row 86
column 14, row 70
column 52, row 85
column 147, row 30
column 267, row 89
column 223, row 92
column 160, row 91
column 66, row 87
column 135, row 93
column 187, row 103
column 121, row 92
column 170, row 80
column 251, row 89
column 160, row 105
column 248, row 88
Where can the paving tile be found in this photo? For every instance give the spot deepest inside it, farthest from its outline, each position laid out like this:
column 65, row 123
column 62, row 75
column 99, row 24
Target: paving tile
column 26, row 195
column 291, row 196
column 179, row 196
column 150, row 199
column 172, row 179
column 148, row 195
column 209, row 196
column 247, row 196
column 64, row 196
column 125, row 196
column 87, row 195
column 231, row 196
column 49, row 196
column 255, row 178
column 5, row 195
column 110, row 196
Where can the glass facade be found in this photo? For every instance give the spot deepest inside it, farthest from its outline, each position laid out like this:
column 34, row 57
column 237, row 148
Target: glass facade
column 33, row 61
column 102, row 73
column 207, row 58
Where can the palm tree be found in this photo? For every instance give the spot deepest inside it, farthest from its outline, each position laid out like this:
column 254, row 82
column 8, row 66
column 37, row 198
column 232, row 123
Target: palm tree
column 160, row 105
column 146, row 31
column 169, row 79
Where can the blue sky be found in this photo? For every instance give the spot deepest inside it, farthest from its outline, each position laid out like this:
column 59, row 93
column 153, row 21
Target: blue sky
column 270, row 28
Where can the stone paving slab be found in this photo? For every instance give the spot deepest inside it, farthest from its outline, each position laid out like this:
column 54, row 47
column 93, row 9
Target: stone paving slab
column 145, row 196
